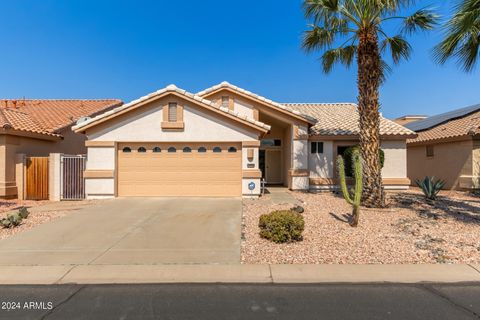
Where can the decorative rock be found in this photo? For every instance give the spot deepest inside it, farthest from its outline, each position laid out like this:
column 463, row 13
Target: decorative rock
column 298, row 209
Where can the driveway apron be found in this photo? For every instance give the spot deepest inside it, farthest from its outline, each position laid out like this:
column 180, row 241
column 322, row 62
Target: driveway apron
column 134, row 231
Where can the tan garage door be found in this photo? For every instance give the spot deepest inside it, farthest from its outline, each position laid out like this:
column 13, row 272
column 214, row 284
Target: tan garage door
column 179, row 169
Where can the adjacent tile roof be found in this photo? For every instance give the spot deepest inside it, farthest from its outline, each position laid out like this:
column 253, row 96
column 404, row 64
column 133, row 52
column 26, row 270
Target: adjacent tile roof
column 48, row 117
column 172, row 88
column 230, row 86
column 457, row 126
column 342, row 119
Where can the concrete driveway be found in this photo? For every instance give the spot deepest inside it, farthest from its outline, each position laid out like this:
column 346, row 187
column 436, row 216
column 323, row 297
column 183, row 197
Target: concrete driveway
column 134, row 231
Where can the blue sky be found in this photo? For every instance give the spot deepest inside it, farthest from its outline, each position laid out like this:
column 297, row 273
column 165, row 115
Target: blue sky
column 126, row 49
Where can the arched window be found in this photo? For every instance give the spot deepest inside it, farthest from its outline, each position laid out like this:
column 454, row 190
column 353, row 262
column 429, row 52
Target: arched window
column 157, row 149
column 217, row 149
column 232, row 149
column 126, row 150
column 202, row 149
column 142, row 149
column 187, row 149
column 172, row 150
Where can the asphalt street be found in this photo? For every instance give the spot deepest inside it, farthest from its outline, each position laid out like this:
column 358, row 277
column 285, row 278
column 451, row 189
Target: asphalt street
column 242, row 301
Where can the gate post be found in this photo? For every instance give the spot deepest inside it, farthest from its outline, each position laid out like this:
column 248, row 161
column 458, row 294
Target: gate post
column 20, row 163
column 54, row 177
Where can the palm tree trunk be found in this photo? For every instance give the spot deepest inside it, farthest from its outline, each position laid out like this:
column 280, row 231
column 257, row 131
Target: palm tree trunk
column 369, row 74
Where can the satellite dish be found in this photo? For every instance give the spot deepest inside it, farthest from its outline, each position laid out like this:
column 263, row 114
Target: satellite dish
column 82, row 119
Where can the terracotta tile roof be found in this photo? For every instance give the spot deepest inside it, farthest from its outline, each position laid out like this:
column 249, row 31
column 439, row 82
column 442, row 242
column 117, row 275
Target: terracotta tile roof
column 48, row 116
column 465, row 125
column 334, row 119
column 284, row 106
column 173, row 88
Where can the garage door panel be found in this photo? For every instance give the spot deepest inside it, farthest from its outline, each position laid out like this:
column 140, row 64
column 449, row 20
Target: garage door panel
column 181, row 173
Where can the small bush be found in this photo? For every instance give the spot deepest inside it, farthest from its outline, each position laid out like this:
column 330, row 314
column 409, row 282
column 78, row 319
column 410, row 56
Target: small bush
column 12, row 220
column 23, row 212
column 282, row 226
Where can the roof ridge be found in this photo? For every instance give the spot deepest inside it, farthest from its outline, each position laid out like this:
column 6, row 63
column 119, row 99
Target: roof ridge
column 173, row 88
column 225, row 84
column 318, row 103
column 99, row 99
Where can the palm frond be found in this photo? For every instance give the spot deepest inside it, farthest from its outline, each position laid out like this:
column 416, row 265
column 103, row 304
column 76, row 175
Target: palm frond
column 462, row 36
column 319, row 9
column 423, row 19
column 342, row 55
column 385, row 70
column 399, row 48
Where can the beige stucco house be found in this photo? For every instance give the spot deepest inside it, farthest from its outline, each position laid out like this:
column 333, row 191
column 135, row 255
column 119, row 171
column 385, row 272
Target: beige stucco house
column 222, row 141
column 38, row 128
column 447, row 147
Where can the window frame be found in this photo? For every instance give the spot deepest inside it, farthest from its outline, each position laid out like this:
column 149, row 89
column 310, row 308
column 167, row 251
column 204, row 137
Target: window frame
column 172, row 150
column 430, row 151
column 217, row 150
column 316, row 147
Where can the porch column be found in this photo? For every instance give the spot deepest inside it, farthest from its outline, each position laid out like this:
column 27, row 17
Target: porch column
column 251, row 173
column 299, row 172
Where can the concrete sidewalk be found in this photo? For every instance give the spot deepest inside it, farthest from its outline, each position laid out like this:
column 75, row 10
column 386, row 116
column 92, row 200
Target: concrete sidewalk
column 237, row 273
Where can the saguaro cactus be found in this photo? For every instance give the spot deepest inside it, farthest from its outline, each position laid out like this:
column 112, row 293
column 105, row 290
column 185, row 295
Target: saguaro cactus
column 356, row 196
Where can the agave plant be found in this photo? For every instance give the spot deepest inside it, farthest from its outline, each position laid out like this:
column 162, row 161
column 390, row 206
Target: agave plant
column 430, row 187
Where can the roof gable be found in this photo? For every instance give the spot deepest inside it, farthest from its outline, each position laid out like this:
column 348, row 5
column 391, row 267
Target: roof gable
column 257, row 98
column 171, row 89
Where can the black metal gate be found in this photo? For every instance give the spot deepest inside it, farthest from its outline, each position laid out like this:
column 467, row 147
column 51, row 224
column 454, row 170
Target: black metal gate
column 72, row 182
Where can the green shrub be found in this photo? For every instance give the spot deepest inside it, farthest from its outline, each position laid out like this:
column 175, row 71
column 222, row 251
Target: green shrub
column 12, row 220
column 282, row 226
column 23, row 212
column 347, row 157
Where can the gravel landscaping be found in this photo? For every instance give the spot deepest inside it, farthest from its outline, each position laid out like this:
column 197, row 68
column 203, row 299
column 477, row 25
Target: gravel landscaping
column 409, row 231
column 40, row 212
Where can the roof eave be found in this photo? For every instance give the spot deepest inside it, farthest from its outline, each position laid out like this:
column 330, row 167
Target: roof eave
column 30, row 134
column 81, row 128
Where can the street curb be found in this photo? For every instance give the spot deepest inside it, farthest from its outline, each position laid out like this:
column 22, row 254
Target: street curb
column 239, row 273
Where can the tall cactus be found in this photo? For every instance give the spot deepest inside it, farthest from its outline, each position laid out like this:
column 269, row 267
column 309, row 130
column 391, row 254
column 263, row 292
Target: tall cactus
column 357, row 189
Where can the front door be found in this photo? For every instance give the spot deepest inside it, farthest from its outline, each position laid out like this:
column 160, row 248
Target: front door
column 273, row 166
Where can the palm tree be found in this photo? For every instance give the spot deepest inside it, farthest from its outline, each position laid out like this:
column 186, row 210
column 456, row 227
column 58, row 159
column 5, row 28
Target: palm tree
column 358, row 26
column 462, row 39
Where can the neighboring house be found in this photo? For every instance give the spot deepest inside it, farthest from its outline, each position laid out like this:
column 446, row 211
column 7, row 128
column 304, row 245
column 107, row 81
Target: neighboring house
column 408, row 118
column 38, row 128
column 222, row 141
column 447, row 147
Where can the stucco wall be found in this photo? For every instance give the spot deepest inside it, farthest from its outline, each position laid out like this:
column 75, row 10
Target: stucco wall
column 476, row 163
column 395, row 165
column 243, row 108
column 321, row 164
column 450, row 161
column 144, row 124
